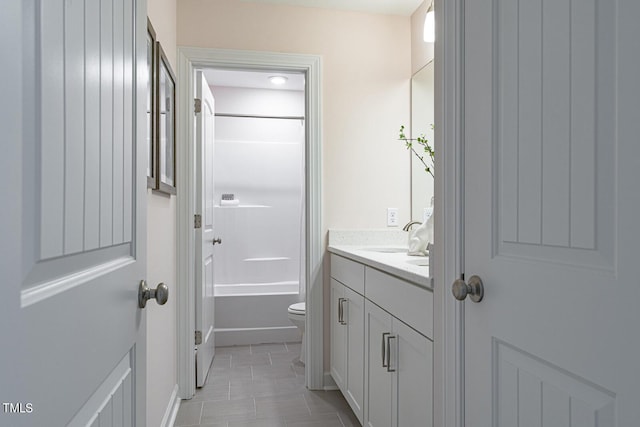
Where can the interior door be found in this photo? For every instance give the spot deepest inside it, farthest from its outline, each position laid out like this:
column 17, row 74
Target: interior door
column 205, row 239
column 73, row 216
column 552, row 165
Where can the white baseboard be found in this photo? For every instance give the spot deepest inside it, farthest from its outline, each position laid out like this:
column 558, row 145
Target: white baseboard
column 329, row 383
column 172, row 409
column 244, row 336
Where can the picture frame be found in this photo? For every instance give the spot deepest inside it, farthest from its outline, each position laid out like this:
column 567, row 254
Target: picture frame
column 151, row 108
column 165, row 127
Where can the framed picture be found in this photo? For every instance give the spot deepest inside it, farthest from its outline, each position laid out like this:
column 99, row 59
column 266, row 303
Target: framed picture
column 151, row 95
column 165, row 124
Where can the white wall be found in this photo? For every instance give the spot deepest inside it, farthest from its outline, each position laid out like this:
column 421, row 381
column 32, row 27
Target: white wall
column 161, row 256
column 260, row 161
column 366, row 60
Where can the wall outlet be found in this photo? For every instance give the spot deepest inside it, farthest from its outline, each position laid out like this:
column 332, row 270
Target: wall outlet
column 392, row 217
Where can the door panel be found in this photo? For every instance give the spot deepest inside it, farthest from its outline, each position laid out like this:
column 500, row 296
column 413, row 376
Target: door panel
column 204, row 235
column 110, row 405
column 531, row 390
column 378, row 380
column 354, row 316
column 548, row 202
column 413, row 382
column 78, row 192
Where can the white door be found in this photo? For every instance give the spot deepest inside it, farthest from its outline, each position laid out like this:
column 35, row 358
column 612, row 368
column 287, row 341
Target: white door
column 552, row 166
column 204, row 234
column 73, row 216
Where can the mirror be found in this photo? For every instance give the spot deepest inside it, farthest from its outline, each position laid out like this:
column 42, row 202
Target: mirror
column 422, row 117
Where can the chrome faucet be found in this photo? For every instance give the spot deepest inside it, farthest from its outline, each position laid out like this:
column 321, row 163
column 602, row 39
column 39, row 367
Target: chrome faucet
column 409, row 225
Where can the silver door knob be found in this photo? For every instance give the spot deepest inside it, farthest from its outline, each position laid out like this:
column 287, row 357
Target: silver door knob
column 217, row 240
column 474, row 289
column 161, row 294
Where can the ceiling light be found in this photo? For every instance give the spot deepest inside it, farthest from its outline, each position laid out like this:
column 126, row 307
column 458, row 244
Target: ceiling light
column 278, row 80
column 429, row 35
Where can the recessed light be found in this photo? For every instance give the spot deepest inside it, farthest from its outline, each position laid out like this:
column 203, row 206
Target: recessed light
column 278, row 80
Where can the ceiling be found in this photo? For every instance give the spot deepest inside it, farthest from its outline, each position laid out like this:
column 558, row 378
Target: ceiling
column 253, row 79
column 389, row 7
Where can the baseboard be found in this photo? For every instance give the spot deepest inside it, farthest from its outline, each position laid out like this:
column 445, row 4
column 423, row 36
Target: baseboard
column 329, row 383
column 244, row 336
column 172, row 409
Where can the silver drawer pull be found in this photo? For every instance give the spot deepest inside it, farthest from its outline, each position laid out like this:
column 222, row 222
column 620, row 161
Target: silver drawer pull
column 384, row 351
column 342, row 321
column 389, row 338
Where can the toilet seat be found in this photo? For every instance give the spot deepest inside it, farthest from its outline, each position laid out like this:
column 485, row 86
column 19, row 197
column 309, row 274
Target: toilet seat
column 298, row 308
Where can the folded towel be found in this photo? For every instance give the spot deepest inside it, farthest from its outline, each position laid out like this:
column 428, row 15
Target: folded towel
column 234, row 202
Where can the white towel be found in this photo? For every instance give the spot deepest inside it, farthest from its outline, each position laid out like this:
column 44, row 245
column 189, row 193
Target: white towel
column 234, row 202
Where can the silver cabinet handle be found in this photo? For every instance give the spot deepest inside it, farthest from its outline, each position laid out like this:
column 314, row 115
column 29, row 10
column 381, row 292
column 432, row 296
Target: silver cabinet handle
column 340, row 310
column 389, row 338
column 217, row 240
column 384, row 351
column 161, row 294
column 342, row 321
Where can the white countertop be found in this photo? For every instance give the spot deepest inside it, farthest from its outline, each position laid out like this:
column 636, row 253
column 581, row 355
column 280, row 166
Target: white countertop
column 394, row 263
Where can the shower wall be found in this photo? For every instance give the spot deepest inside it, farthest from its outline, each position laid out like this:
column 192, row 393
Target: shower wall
column 261, row 162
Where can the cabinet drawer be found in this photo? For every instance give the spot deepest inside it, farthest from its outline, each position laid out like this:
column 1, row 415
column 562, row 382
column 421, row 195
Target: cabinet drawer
column 347, row 272
column 406, row 301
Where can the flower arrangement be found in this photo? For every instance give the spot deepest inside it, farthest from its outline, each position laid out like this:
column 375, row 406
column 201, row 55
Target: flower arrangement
column 425, row 152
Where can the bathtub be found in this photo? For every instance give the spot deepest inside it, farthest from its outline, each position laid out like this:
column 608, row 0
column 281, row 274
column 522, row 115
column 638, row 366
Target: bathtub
column 255, row 313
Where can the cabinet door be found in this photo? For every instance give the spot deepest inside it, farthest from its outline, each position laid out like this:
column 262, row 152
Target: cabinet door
column 378, row 379
column 354, row 316
column 413, row 380
column 338, row 337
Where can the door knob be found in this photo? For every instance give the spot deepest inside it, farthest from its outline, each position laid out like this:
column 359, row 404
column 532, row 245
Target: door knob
column 217, row 240
column 474, row 289
column 161, row 294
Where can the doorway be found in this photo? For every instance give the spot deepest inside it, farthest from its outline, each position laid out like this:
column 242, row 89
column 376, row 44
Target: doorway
column 191, row 59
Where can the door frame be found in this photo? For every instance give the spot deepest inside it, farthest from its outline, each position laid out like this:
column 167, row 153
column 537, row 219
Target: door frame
column 449, row 358
column 190, row 58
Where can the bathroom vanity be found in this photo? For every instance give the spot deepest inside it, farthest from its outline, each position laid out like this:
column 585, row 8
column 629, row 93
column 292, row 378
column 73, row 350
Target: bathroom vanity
column 382, row 334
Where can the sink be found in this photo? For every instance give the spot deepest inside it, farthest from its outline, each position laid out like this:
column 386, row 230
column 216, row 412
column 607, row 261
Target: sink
column 389, row 250
column 421, row 262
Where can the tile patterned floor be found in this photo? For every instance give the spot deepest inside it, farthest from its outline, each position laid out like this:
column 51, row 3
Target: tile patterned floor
column 262, row 386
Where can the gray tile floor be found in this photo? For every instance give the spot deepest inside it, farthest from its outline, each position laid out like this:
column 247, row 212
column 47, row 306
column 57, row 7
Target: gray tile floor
column 262, row 386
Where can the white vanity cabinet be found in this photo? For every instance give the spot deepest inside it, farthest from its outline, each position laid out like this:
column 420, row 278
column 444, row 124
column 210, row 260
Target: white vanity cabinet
column 398, row 390
column 347, row 332
column 390, row 325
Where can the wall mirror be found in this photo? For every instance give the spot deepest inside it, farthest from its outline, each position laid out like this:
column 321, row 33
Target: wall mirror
column 422, row 118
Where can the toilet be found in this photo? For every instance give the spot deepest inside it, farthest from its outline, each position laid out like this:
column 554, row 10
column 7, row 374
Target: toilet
column 296, row 313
